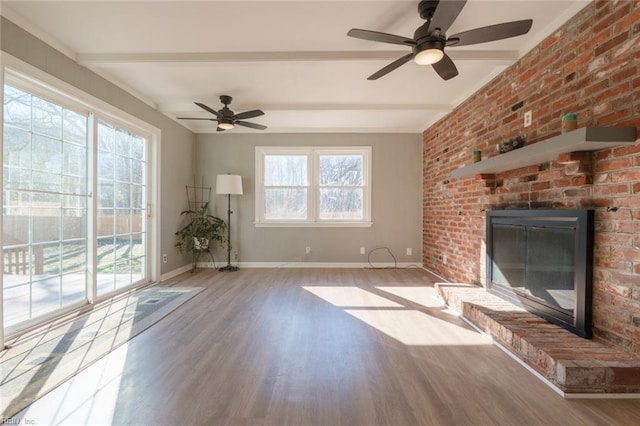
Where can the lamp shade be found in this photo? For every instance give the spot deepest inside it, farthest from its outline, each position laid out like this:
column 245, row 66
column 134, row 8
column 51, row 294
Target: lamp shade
column 229, row 184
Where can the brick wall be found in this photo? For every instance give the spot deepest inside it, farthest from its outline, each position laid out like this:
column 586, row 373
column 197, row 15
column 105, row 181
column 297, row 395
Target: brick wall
column 590, row 66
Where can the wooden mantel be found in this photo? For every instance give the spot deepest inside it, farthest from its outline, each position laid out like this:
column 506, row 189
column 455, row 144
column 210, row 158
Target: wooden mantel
column 583, row 139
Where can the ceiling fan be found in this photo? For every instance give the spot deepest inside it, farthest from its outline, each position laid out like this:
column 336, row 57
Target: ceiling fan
column 429, row 40
column 226, row 118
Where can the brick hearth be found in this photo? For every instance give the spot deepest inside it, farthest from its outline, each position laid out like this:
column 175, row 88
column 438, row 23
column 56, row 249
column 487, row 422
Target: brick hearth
column 572, row 364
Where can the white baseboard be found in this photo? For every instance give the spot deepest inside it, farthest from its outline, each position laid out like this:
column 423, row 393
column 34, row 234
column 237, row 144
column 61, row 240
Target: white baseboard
column 311, row 265
column 248, row 265
column 175, row 272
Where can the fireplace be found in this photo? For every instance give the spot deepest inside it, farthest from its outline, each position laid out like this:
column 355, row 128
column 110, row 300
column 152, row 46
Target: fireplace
column 542, row 260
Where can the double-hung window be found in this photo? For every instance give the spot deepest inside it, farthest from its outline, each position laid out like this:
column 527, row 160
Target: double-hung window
column 313, row 186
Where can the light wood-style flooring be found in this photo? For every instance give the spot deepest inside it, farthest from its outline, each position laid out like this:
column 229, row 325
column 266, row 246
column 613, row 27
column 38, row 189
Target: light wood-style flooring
column 331, row 347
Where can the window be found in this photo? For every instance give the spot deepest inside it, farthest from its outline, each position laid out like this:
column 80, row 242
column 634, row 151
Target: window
column 303, row 186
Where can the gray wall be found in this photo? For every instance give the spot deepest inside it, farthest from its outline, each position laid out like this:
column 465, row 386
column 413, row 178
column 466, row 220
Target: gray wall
column 177, row 145
column 396, row 199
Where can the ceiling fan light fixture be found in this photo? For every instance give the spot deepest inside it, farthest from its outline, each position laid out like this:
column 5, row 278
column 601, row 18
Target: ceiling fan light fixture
column 429, row 53
column 225, row 125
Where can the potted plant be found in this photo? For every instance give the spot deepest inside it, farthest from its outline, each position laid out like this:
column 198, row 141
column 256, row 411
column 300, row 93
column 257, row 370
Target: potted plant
column 200, row 232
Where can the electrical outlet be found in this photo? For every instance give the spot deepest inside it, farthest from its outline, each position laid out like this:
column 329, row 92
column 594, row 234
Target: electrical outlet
column 527, row 118
column 165, row 259
column 308, row 250
column 409, row 251
column 361, row 250
column 444, row 259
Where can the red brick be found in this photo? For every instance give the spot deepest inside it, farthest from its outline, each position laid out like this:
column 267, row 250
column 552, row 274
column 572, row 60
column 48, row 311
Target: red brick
column 611, row 118
column 626, row 176
column 550, row 175
column 620, row 11
column 574, row 157
column 615, row 164
column 633, row 202
column 626, row 150
column 624, row 74
column 621, row 279
column 628, row 21
column 601, row 190
column 577, row 63
column 613, row 239
column 577, row 169
column 611, row 43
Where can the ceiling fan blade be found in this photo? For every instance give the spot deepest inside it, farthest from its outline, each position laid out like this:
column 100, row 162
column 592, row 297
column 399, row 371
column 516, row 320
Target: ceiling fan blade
column 392, row 66
column 381, row 37
column 194, row 118
column 446, row 12
column 493, row 32
column 206, row 108
column 445, row 68
column 249, row 114
column 251, row 125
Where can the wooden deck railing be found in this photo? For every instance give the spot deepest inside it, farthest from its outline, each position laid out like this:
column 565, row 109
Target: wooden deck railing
column 16, row 258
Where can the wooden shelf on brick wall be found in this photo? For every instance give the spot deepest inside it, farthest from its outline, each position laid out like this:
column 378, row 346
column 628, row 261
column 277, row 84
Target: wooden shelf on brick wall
column 583, row 139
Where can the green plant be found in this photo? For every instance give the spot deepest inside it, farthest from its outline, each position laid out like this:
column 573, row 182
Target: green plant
column 200, row 232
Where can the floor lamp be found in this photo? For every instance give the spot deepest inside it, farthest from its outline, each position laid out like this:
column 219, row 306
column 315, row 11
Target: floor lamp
column 228, row 185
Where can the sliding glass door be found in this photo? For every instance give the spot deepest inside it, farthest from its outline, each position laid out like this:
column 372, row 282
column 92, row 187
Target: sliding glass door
column 75, row 183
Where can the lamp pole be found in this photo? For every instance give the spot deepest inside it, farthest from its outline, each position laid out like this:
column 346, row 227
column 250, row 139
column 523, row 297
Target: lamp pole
column 229, row 267
column 229, row 185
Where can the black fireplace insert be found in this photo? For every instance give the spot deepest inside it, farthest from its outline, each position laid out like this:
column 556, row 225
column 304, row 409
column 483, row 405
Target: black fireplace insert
column 542, row 260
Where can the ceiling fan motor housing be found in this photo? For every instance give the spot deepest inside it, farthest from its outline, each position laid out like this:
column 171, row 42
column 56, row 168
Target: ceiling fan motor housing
column 426, row 39
column 429, row 44
column 226, row 112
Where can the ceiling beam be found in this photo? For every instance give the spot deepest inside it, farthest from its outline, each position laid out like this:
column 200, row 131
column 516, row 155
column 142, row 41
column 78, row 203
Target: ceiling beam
column 183, row 108
column 505, row 57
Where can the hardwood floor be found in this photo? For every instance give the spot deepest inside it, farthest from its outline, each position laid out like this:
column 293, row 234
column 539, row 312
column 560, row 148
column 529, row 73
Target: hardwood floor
column 331, row 347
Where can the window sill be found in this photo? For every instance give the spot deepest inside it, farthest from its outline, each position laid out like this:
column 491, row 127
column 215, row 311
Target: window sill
column 313, row 224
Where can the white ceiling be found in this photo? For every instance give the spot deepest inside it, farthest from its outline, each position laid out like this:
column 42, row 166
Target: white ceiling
column 292, row 59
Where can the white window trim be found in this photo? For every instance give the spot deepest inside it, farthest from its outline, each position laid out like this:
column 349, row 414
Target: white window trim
column 313, row 154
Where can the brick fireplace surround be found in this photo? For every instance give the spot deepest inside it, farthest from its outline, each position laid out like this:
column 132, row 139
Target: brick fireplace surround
column 590, row 66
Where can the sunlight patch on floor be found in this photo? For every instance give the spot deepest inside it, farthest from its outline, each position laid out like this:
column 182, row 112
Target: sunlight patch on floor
column 415, row 328
column 37, row 364
column 351, row 297
column 425, row 296
column 88, row 398
column 411, row 327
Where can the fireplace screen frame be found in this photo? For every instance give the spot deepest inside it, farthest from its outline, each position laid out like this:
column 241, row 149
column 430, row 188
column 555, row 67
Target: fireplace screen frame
column 581, row 222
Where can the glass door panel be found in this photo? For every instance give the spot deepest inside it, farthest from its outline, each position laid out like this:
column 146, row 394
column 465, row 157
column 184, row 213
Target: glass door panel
column 44, row 206
column 121, row 209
